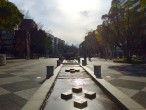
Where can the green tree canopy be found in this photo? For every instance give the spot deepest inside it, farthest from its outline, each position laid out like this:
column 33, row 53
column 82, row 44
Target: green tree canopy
column 40, row 42
column 10, row 16
column 143, row 3
column 126, row 29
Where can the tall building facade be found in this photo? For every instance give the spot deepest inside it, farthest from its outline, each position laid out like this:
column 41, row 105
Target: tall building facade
column 135, row 4
column 57, row 45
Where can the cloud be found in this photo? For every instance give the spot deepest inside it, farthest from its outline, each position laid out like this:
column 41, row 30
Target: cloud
column 69, row 20
column 85, row 13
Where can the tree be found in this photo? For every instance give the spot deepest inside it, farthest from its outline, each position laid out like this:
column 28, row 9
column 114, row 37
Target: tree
column 101, row 43
column 10, row 16
column 70, row 49
column 125, row 27
column 40, row 42
column 143, row 4
column 26, row 14
column 91, row 43
column 104, row 39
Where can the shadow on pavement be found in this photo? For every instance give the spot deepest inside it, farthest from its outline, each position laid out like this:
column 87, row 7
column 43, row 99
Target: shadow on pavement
column 43, row 81
column 130, row 70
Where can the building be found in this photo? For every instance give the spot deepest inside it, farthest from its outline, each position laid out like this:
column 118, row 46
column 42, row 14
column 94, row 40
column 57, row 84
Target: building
column 61, row 46
column 22, row 44
column 52, row 51
column 7, row 42
column 28, row 24
column 135, row 4
column 57, row 45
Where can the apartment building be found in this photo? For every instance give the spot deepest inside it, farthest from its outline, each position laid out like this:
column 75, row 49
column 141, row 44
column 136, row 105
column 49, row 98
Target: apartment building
column 135, row 4
column 57, row 45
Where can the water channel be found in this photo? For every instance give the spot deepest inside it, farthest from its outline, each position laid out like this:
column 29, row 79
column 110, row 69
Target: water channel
column 66, row 81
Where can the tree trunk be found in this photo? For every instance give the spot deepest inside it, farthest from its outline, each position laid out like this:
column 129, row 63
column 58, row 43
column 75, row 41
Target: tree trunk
column 129, row 59
column 127, row 55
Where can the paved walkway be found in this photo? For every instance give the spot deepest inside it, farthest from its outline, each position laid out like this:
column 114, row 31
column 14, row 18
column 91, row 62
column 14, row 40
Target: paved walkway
column 19, row 79
column 130, row 79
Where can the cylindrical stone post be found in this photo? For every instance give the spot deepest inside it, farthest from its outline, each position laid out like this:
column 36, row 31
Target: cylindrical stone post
column 50, row 70
column 2, row 59
column 97, row 71
column 78, row 59
column 61, row 59
column 58, row 62
column 84, row 62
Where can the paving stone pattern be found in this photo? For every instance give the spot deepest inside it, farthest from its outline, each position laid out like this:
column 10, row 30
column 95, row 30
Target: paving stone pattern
column 130, row 79
column 19, row 81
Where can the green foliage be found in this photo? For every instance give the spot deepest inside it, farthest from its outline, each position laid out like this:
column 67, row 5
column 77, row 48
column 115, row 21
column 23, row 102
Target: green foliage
column 124, row 60
column 91, row 43
column 103, row 38
column 10, row 16
column 137, row 59
column 3, row 2
column 143, row 3
column 124, row 28
column 120, row 60
column 70, row 49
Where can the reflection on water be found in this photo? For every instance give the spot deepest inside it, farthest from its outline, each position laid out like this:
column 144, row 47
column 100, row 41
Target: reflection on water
column 66, row 81
column 78, row 82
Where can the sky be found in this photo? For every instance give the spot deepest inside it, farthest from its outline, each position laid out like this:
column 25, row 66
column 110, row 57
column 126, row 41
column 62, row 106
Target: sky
column 69, row 20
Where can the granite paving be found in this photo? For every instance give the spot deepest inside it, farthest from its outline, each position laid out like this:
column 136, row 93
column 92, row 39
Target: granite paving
column 19, row 80
column 129, row 78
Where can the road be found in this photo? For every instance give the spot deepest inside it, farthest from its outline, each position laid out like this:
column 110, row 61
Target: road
column 19, row 79
column 130, row 79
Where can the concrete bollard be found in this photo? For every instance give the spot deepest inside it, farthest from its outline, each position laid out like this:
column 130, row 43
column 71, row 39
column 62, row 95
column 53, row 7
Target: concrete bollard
column 78, row 60
column 97, row 71
column 58, row 62
column 50, row 70
column 61, row 59
column 2, row 59
column 84, row 62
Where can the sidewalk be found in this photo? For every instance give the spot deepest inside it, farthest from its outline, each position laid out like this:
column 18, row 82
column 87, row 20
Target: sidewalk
column 19, row 79
column 130, row 79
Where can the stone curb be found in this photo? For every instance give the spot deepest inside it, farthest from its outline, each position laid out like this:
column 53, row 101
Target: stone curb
column 118, row 97
column 37, row 101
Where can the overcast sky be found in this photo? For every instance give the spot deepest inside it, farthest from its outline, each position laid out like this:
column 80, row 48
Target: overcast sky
column 69, row 20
